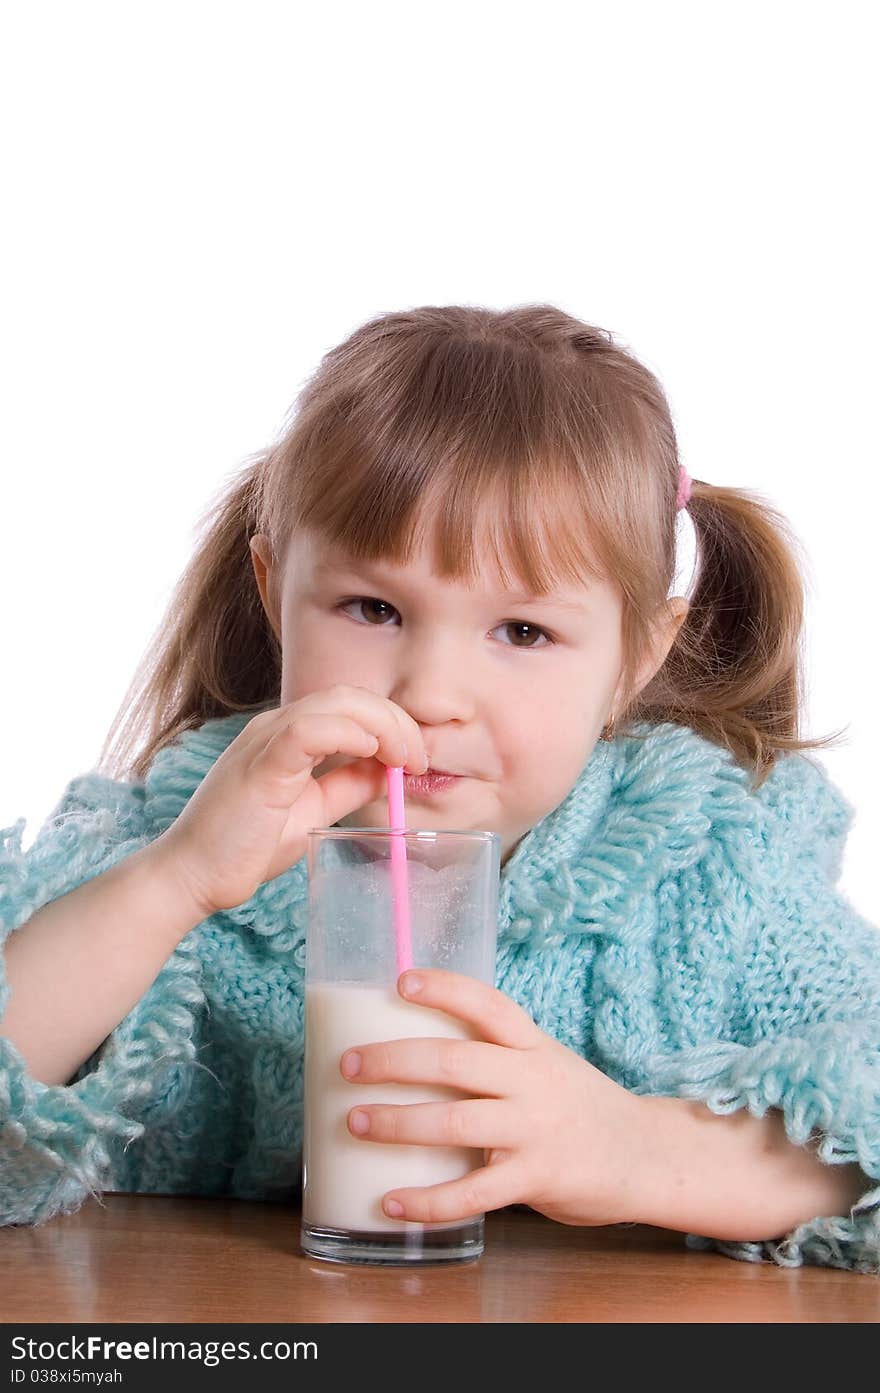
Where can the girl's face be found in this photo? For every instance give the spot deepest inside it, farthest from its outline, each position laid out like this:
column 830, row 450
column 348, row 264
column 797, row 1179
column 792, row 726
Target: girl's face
column 511, row 693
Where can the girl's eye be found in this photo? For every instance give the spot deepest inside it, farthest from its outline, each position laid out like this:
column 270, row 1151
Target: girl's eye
column 370, row 604
column 367, row 602
column 531, row 629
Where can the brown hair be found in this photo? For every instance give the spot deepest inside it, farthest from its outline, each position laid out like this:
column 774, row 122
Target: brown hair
column 572, row 439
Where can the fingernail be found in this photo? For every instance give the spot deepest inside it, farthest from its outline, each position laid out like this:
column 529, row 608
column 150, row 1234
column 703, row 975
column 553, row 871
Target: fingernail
column 351, row 1064
column 394, row 1209
column 412, row 983
column 360, row 1121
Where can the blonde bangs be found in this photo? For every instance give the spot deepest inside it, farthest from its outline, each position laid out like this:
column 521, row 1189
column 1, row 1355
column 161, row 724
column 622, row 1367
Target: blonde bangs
column 462, row 454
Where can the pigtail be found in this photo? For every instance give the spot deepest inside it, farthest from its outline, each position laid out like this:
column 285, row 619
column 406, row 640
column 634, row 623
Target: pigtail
column 735, row 672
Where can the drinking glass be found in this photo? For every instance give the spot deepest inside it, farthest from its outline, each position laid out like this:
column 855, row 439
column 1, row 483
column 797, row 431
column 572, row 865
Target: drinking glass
column 351, row 998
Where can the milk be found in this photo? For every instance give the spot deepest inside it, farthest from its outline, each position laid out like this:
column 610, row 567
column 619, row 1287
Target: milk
column 345, row 1176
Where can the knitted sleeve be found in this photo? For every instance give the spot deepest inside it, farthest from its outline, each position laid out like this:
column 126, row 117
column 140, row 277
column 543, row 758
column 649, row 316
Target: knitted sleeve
column 56, row 1140
column 805, row 1027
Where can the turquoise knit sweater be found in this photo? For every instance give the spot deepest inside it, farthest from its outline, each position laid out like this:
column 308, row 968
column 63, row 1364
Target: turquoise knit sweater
column 677, row 930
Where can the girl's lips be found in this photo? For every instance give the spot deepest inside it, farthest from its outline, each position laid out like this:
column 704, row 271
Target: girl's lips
column 433, row 781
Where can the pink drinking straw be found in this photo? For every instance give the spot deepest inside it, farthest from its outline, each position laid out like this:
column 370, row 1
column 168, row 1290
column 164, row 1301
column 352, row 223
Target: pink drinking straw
column 399, row 880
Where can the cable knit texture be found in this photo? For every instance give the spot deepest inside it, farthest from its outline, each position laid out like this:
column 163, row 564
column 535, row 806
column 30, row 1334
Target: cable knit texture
column 679, row 931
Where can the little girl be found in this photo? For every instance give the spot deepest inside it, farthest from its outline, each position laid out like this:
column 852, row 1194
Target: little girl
column 686, row 1021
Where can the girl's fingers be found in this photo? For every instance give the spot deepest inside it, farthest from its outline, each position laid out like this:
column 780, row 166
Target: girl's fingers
column 489, row 1187
column 391, row 724
column 312, row 735
column 350, row 786
column 471, row 1065
column 496, row 1017
column 292, row 750
column 473, row 1122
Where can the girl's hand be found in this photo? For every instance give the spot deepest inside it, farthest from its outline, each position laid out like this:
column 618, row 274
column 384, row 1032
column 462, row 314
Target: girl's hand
column 247, row 820
column 557, row 1133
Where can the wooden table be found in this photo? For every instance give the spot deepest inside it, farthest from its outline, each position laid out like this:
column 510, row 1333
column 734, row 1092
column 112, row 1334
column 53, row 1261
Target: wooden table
column 160, row 1258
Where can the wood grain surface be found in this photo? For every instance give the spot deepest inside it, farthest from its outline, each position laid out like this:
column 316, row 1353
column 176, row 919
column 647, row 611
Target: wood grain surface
column 159, row 1258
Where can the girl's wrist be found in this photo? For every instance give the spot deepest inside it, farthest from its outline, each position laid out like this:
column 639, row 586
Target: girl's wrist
column 184, row 910
column 637, row 1195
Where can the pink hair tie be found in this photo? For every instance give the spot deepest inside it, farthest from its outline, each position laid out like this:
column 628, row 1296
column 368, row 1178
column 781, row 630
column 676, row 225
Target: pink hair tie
column 683, row 497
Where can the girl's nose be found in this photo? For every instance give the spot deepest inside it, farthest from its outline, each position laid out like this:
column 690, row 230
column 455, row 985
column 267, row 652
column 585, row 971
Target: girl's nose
column 435, row 694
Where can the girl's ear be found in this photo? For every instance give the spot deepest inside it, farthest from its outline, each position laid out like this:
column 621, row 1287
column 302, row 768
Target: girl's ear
column 674, row 615
column 261, row 559
column 665, row 633
column 678, row 611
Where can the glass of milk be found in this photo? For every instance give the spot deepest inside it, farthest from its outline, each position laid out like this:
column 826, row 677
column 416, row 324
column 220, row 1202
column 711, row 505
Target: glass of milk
column 352, row 999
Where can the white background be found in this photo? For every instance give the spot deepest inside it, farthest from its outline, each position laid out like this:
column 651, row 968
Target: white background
column 203, row 198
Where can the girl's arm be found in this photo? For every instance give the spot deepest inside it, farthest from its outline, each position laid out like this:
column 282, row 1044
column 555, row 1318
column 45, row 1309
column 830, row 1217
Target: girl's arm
column 736, row 1177
column 76, row 968
column 771, row 1145
column 82, row 899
